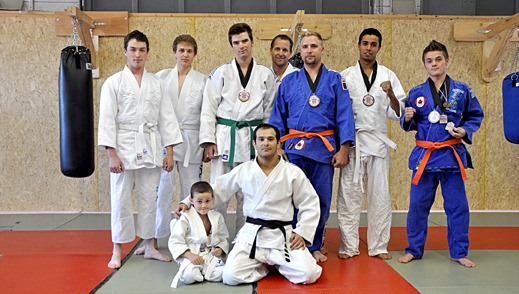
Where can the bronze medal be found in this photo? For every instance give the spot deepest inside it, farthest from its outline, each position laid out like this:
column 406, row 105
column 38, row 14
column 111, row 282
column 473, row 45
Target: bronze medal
column 368, row 100
column 243, row 96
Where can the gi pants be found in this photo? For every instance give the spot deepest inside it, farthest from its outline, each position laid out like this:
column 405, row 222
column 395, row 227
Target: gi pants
column 349, row 202
column 145, row 182
column 240, row 268
column 321, row 178
column 455, row 205
column 187, row 177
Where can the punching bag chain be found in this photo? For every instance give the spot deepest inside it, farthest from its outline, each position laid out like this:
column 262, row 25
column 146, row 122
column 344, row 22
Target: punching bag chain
column 75, row 39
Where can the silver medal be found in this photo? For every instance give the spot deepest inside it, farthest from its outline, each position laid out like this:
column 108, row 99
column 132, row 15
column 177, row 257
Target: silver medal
column 434, row 116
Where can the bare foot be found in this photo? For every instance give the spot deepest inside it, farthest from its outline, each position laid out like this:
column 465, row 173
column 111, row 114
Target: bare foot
column 151, row 252
column 343, row 256
column 318, row 256
column 465, row 262
column 385, row 256
column 115, row 262
column 139, row 251
column 324, row 250
column 406, row 258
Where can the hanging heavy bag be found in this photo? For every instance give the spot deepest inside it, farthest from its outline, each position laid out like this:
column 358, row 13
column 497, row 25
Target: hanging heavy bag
column 511, row 107
column 76, row 112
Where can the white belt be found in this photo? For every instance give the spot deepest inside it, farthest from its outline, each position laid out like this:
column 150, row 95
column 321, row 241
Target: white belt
column 382, row 137
column 187, row 156
column 140, row 140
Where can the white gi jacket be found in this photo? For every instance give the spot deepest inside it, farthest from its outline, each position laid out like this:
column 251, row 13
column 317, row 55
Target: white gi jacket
column 371, row 121
column 136, row 121
column 289, row 69
column 271, row 198
column 188, row 232
column 187, row 106
column 221, row 101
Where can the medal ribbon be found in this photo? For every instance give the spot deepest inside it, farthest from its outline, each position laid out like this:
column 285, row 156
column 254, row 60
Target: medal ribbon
column 438, row 100
column 431, row 146
column 367, row 82
column 244, row 80
column 313, row 85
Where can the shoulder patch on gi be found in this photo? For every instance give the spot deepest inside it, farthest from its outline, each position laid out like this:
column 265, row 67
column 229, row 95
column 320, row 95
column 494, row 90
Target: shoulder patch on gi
column 420, row 101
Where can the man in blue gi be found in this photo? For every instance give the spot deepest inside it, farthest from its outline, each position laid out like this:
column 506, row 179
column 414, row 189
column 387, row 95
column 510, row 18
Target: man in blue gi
column 313, row 112
column 443, row 112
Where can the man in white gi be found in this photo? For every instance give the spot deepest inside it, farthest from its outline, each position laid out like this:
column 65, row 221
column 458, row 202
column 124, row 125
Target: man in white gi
column 280, row 51
column 238, row 96
column 134, row 123
column 184, row 86
column 376, row 94
column 273, row 189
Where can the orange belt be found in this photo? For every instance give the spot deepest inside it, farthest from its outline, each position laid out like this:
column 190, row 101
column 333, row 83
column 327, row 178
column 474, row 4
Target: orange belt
column 299, row 134
column 433, row 146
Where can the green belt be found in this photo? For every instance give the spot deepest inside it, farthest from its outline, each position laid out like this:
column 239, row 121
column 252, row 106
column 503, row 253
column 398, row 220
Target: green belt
column 239, row 124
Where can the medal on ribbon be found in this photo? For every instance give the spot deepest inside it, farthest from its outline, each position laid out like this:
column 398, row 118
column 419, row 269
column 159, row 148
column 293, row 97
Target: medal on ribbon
column 314, row 101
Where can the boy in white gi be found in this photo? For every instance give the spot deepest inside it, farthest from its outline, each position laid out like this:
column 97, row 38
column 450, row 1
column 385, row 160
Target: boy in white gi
column 376, row 95
column 273, row 189
column 184, row 86
column 238, row 96
column 280, row 51
column 198, row 239
column 134, row 123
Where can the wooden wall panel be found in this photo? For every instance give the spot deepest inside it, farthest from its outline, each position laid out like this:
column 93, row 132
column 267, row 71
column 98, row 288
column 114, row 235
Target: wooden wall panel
column 30, row 179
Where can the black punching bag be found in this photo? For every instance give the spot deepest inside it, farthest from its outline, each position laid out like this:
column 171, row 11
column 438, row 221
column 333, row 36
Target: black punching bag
column 76, row 112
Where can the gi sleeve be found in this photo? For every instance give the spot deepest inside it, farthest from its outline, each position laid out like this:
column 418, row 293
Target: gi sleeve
column 399, row 92
column 472, row 115
column 168, row 123
column 411, row 125
column 211, row 99
column 222, row 234
column 270, row 95
column 279, row 115
column 344, row 113
column 225, row 186
column 177, row 242
column 107, row 130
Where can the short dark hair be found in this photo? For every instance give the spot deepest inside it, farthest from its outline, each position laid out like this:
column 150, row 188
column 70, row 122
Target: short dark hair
column 282, row 37
column 185, row 38
column 267, row 126
column 137, row 35
column 435, row 46
column 239, row 28
column 371, row 31
column 201, row 187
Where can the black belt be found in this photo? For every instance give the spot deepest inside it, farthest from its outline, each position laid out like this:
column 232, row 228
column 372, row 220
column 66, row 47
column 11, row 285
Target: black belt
column 271, row 224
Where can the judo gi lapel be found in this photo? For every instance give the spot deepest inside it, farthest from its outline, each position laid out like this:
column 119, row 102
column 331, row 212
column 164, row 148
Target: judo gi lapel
column 305, row 92
column 173, row 87
column 197, row 228
column 274, row 174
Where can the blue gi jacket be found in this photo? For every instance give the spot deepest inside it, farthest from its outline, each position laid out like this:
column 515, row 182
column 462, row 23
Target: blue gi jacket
column 464, row 111
column 292, row 111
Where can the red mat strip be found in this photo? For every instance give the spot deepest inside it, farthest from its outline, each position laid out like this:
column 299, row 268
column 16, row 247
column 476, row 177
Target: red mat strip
column 55, row 261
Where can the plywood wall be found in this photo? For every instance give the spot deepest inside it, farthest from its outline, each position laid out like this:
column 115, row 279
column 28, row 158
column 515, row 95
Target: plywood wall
column 30, row 177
